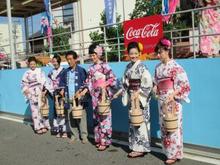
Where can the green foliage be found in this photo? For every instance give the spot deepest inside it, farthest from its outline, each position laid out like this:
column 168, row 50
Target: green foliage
column 112, row 34
column 61, row 42
column 146, row 8
column 142, row 8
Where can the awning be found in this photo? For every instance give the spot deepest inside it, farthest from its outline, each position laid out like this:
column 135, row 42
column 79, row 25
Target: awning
column 26, row 8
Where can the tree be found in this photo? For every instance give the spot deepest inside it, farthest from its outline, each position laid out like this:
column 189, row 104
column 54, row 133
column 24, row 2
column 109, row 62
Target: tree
column 112, row 34
column 142, row 8
column 61, row 42
column 146, row 8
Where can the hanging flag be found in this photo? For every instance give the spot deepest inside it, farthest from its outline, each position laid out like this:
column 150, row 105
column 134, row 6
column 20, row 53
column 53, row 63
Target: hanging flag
column 168, row 6
column 44, row 25
column 165, row 6
column 47, row 5
column 110, row 11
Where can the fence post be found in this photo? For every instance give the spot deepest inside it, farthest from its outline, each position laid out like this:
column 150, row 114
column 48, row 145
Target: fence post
column 171, row 37
column 119, row 51
column 106, row 55
column 11, row 38
column 193, row 33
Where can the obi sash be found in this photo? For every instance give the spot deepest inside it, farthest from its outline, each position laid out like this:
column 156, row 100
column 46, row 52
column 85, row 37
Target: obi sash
column 98, row 83
column 33, row 83
column 165, row 84
column 134, row 84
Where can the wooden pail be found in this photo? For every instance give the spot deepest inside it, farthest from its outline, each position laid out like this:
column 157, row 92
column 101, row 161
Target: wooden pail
column 44, row 107
column 170, row 118
column 77, row 110
column 59, row 106
column 136, row 114
column 104, row 105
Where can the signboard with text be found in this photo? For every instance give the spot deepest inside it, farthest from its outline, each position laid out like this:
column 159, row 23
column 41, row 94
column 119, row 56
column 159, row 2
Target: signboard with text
column 147, row 31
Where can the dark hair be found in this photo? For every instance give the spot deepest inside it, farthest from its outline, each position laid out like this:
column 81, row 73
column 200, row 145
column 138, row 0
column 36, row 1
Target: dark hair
column 72, row 53
column 163, row 46
column 57, row 57
column 92, row 48
column 132, row 45
column 30, row 59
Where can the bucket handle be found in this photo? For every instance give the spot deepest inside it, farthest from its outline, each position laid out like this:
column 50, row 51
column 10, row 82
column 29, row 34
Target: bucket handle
column 75, row 101
column 44, row 101
column 165, row 109
column 103, row 98
column 134, row 102
column 60, row 105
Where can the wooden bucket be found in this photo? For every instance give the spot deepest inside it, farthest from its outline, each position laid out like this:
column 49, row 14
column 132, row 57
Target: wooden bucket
column 59, row 106
column 170, row 118
column 104, row 105
column 77, row 110
column 136, row 114
column 44, row 107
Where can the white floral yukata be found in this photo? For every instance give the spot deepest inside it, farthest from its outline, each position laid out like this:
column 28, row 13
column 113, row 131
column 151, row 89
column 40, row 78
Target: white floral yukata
column 139, row 137
column 172, row 73
column 34, row 81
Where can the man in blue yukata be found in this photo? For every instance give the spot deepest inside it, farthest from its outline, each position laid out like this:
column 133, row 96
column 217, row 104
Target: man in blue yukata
column 71, row 80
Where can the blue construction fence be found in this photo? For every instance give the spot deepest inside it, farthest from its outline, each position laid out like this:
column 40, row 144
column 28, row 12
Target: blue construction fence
column 201, row 117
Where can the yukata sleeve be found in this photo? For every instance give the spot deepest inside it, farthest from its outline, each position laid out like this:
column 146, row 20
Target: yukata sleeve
column 84, row 74
column 124, row 88
column 62, row 83
column 124, row 81
column 44, row 81
column 146, row 82
column 181, row 84
column 24, row 82
column 88, row 81
column 49, row 83
column 111, row 78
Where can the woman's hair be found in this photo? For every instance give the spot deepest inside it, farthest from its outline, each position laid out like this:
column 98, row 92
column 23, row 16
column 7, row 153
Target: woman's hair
column 30, row 59
column 164, row 44
column 96, row 48
column 57, row 57
column 71, row 53
column 132, row 45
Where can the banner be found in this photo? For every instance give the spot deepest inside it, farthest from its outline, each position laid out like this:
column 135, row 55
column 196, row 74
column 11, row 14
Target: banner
column 169, row 6
column 110, row 11
column 147, row 31
column 47, row 25
column 47, row 5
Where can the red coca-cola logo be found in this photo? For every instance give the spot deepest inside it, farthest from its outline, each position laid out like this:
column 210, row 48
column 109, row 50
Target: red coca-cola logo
column 149, row 30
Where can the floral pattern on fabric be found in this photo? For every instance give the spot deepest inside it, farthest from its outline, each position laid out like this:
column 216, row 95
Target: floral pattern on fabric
column 172, row 142
column 139, row 137
column 210, row 24
column 33, row 81
column 98, row 74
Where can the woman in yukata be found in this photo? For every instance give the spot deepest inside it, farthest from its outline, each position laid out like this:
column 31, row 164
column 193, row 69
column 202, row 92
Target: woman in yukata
column 100, row 76
column 33, row 86
column 171, row 86
column 137, row 81
column 59, row 126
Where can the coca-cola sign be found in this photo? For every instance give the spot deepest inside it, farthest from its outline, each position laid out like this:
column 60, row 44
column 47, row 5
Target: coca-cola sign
column 147, row 31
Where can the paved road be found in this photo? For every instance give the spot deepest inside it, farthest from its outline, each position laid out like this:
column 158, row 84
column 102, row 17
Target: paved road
column 20, row 146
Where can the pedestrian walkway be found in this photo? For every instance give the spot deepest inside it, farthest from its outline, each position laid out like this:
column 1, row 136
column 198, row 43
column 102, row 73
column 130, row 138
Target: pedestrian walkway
column 20, row 146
